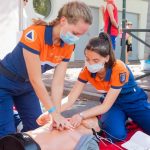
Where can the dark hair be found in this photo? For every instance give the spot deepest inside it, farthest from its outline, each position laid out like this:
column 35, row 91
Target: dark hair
column 102, row 46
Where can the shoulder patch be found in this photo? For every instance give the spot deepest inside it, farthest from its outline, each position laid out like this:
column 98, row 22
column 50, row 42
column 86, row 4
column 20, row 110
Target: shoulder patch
column 31, row 36
column 122, row 77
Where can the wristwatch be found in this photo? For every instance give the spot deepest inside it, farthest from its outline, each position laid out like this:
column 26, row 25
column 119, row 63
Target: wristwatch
column 81, row 115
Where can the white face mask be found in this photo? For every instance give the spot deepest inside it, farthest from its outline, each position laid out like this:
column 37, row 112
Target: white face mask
column 95, row 67
column 69, row 38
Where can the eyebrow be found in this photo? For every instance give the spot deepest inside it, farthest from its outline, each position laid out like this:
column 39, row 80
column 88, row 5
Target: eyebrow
column 96, row 59
column 92, row 59
column 76, row 33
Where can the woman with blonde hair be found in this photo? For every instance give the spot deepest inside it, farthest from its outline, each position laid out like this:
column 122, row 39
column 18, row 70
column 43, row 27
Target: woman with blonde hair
column 41, row 48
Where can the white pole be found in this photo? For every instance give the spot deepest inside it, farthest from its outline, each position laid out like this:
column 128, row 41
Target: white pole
column 20, row 15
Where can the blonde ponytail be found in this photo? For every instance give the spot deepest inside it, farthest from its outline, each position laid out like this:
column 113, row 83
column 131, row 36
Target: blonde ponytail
column 54, row 22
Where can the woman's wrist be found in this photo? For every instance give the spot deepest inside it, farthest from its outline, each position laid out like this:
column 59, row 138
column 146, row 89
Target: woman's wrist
column 55, row 114
column 52, row 110
column 82, row 116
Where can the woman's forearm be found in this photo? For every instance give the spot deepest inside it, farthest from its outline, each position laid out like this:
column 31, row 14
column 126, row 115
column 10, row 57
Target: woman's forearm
column 58, row 84
column 95, row 111
column 66, row 103
column 114, row 23
column 56, row 93
column 105, row 106
column 42, row 93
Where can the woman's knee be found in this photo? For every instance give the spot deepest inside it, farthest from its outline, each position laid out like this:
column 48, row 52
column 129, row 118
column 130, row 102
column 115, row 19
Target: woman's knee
column 7, row 124
column 7, row 128
column 115, row 134
column 145, row 127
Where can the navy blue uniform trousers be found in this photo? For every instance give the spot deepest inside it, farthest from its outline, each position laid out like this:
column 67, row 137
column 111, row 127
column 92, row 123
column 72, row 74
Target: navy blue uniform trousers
column 134, row 105
column 22, row 95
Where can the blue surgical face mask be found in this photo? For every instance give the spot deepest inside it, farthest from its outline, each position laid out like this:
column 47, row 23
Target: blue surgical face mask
column 95, row 67
column 69, row 38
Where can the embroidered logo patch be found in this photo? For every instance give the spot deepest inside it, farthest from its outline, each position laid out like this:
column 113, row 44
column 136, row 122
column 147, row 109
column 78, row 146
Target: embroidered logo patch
column 31, row 36
column 122, row 77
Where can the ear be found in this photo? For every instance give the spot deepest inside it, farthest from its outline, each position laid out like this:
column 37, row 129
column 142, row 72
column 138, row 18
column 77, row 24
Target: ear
column 107, row 58
column 63, row 21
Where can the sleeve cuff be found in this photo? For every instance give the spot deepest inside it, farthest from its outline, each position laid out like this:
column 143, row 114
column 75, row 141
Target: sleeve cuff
column 66, row 60
column 29, row 49
column 81, row 80
column 116, row 87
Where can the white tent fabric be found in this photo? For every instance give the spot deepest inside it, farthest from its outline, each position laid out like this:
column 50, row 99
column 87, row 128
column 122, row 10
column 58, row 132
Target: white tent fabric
column 9, row 25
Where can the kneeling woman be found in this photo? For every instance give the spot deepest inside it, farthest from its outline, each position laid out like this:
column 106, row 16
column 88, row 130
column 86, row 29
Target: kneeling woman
column 122, row 96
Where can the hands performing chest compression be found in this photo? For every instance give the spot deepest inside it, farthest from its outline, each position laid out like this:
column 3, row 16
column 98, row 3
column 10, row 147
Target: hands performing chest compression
column 60, row 122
